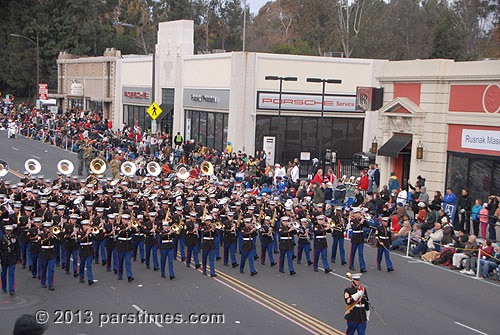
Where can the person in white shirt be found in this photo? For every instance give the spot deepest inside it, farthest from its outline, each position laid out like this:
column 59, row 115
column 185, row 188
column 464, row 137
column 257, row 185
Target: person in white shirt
column 295, row 173
column 278, row 172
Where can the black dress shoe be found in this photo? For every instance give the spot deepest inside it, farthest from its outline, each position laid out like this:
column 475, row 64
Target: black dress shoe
column 183, row 259
column 362, row 270
column 44, row 286
column 218, row 258
column 108, row 270
column 75, row 274
column 91, row 282
column 147, row 266
column 235, row 265
column 292, row 273
column 82, row 280
column 352, row 269
column 143, row 260
column 120, row 278
column 197, row 266
column 344, row 263
column 328, row 270
column 253, row 273
column 34, row 277
column 172, row 277
column 309, row 263
column 213, row 276
column 29, row 268
column 273, row 264
column 390, row 270
column 282, row 271
column 380, row 269
column 97, row 261
column 103, row 263
column 316, row 270
column 51, row 288
column 130, row 279
column 67, row 272
column 163, row 276
column 156, row 269
column 12, row 292
column 115, row 271
column 293, row 257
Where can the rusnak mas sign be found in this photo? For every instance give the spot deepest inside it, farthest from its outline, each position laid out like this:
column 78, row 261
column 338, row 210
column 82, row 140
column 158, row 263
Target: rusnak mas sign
column 306, row 102
column 474, row 139
column 136, row 95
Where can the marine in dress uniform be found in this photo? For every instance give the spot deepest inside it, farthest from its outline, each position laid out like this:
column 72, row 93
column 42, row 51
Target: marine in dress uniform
column 320, row 244
column 384, row 244
column 208, row 233
column 34, row 249
column 70, row 237
column 247, row 233
column 192, row 241
column 304, row 246
column 151, row 241
column 338, row 236
column 229, row 238
column 98, row 239
column 180, row 239
column 139, row 238
column 357, row 240
column 8, row 257
column 124, row 247
column 110, row 243
column 166, row 242
column 286, row 245
column 86, row 252
column 47, row 256
column 266, row 243
column 357, row 310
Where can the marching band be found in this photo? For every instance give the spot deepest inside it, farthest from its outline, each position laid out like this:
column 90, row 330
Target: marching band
column 113, row 221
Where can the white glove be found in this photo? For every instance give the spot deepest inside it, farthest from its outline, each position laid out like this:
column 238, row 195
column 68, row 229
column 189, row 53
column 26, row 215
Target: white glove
column 357, row 295
column 462, row 210
column 367, row 315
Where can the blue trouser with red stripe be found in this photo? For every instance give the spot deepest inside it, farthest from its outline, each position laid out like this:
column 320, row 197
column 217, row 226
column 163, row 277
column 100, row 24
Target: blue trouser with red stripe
column 229, row 249
column 340, row 243
column 266, row 247
column 24, row 253
column 306, row 248
column 86, row 262
column 99, row 249
column 48, row 269
column 111, row 254
column 289, row 255
column 12, row 278
column 359, row 247
column 380, row 252
column 353, row 326
column 244, row 256
column 34, row 264
column 73, row 253
column 320, row 252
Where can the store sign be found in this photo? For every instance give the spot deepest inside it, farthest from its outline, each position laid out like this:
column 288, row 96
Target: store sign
column 43, row 91
column 76, row 88
column 208, row 98
column 304, row 102
column 369, row 98
column 481, row 139
column 136, row 95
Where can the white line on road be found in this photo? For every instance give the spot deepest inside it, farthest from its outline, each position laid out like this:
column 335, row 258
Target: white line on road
column 156, row 323
column 470, row 328
column 15, row 148
column 35, row 157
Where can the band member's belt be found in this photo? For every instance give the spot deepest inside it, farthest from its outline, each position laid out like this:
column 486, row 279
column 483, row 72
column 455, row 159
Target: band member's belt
column 124, row 238
column 359, row 305
column 321, row 236
column 285, row 238
column 47, row 246
column 208, row 238
column 166, row 241
column 139, row 234
column 247, row 239
column 356, row 231
column 383, row 237
column 86, row 243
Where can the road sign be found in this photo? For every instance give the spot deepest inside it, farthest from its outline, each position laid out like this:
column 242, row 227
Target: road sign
column 154, row 110
column 43, row 90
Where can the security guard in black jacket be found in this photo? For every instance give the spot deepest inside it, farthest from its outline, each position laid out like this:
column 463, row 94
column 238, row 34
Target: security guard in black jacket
column 357, row 311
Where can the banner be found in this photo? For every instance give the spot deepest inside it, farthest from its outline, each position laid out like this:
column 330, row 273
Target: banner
column 43, row 91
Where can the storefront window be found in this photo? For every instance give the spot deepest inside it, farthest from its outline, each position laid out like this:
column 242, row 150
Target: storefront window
column 207, row 128
column 76, row 104
column 477, row 173
column 136, row 115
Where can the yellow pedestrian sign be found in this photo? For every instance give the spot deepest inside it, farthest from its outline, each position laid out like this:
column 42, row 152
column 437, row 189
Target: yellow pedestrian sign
column 154, row 110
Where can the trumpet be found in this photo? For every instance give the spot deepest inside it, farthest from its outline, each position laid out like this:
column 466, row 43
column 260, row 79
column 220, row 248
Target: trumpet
column 176, row 227
column 95, row 230
column 218, row 225
column 56, row 230
column 135, row 224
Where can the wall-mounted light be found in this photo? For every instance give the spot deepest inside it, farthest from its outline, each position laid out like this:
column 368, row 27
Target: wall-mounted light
column 374, row 145
column 420, row 150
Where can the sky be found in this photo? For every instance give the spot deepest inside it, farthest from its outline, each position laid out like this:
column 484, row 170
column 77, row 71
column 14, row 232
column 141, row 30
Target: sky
column 255, row 5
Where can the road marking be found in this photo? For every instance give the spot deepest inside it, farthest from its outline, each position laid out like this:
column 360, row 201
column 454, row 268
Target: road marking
column 470, row 328
column 15, row 148
column 141, row 310
column 35, row 156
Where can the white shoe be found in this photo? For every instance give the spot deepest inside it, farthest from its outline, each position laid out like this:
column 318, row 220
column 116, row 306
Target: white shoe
column 470, row 272
column 463, row 271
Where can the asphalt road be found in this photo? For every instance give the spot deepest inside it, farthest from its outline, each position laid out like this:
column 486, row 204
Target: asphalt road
column 417, row 298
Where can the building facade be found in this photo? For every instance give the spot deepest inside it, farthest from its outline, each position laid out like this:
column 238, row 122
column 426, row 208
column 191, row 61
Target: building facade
column 447, row 111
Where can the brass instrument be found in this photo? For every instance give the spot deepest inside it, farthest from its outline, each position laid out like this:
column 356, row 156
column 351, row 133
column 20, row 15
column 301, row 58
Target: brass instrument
column 95, row 230
column 4, row 168
column 56, row 230
column 176, row 228
column 65, row 167
column 153, row 168
column 32, row 166
column 182, row 171
column 98, row 166
column 218, row 225
column 257, row 225
column 134, row 224
column 128, row 169
column 207, row 168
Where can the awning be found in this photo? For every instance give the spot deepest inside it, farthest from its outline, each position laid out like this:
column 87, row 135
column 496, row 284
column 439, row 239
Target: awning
column 393, row 147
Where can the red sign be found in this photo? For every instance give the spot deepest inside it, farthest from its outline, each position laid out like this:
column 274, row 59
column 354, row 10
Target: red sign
column 457, row 134
column 136, row 95
column 475, row 98
column 43, row 91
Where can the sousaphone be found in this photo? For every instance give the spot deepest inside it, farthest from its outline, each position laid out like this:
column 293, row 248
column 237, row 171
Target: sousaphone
column 182, row 171
column 32, row 166
column 4, row 168
column 98, row 166
column 207, row 168
column 65, row 167
column 153, row 168
column 128, row 168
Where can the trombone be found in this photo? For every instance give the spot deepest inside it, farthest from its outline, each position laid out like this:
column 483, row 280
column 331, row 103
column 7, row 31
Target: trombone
column 56, row 230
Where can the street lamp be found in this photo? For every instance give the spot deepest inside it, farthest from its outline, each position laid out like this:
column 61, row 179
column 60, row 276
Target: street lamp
column 281, row 79
column 324, row 82
column 37, row 59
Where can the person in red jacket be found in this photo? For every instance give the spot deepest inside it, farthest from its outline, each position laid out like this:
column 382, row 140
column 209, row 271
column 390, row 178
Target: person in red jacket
column 364, row 182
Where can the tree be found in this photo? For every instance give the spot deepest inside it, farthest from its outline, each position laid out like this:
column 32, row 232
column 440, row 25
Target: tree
column 448, row 37
column 349, row 22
